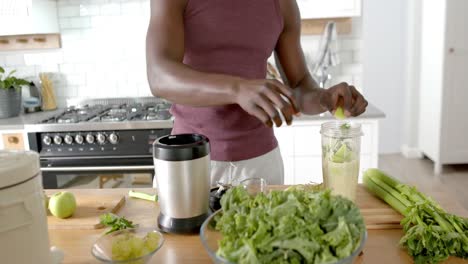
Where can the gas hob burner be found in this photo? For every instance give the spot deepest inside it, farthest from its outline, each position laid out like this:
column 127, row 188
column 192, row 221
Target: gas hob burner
column 112, row 118
column 69, row 119
column 113, row 112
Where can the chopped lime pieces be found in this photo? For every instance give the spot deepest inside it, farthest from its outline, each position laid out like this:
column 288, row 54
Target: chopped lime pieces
column 129, row 246
column 343, row 154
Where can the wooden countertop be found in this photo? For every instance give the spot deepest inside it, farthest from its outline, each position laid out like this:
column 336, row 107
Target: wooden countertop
column 381, row 247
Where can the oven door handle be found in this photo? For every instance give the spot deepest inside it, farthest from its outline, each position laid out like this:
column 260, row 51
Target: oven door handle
column 100, row 168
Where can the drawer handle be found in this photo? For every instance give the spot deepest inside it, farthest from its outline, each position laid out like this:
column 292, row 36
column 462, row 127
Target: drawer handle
column 42, row 40
column 13, row 140
column 22, row 40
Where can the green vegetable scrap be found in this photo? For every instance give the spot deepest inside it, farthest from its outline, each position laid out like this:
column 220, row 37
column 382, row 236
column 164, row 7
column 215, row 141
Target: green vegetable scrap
column 298, row 225
column 115, row 222
column 431, row 234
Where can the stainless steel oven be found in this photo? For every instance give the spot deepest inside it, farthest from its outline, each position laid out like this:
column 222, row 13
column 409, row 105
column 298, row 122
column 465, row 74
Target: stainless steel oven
column 100, row 136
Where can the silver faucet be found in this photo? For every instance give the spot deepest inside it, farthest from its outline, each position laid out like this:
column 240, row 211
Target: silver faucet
column 327, row 56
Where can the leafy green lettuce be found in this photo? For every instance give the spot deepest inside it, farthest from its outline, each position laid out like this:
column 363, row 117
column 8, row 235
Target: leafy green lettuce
column 298, row 225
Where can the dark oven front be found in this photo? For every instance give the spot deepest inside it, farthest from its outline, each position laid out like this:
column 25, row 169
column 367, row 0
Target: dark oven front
column 94, row 152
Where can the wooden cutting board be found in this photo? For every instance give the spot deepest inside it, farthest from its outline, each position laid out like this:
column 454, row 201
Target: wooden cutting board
column 88, row 209
column 377, row 214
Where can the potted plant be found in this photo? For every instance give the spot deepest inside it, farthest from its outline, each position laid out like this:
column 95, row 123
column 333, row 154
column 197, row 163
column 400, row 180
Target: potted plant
column 10, row 94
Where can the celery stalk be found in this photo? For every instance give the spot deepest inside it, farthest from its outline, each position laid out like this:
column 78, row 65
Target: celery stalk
column 383, row 194
column 431, row 234
column 144, row 196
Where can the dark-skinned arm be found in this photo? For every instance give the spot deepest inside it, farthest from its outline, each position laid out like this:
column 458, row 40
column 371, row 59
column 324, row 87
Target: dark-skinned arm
column 291, row 62
column 171, row 79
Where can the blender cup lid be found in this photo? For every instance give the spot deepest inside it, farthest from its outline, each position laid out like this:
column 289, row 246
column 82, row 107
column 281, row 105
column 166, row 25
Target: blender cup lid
column 181, row 147
column 17, row 167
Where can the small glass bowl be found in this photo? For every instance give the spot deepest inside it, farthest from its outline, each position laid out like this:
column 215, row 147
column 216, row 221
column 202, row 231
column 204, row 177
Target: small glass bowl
column 254, row 186
column 210, row 238
column 102, row 248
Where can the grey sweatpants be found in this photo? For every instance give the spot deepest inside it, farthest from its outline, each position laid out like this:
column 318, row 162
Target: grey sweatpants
column 268, row 166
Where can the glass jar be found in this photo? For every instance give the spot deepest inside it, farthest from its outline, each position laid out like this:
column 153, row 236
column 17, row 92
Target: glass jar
column 341, row 145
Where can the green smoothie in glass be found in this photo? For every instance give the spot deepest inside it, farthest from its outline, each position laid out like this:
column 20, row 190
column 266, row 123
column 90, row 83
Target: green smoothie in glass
column 341, row 142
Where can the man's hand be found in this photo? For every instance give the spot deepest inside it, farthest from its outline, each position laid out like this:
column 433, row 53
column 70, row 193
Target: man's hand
column 346, row 96
column 265, row 99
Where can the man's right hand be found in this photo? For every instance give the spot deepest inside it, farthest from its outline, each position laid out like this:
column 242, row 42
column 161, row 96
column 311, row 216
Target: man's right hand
column 264, row 99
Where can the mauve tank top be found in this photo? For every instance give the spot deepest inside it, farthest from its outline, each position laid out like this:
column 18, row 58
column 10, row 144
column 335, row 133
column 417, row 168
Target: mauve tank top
column 233, row 37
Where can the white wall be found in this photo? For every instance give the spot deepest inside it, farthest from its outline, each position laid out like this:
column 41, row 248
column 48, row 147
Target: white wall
column 384, row 66
column 103, row 52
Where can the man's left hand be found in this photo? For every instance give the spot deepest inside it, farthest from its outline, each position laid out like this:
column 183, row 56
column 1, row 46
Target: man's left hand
column 346, row 96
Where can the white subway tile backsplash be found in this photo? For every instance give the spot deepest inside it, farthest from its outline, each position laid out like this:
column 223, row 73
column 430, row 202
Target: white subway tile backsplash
column 350, row 44
column 53, row 57
column 84, row 67
column 144, row 90
column 67, row 68
column 69, row 35
column 80, row 22
column 89, row 10
column 351, row 68
column 346, row 56
column 14, row 60
column 47, row 68
column 107, row 22
column 357, row 56
column 69, row 11
column 110, row 9
column 76, row 79
column 65, row 23
column 357, row 82
column 340, row 78
column 25, row 71
column 131, row 8
column 31, row 59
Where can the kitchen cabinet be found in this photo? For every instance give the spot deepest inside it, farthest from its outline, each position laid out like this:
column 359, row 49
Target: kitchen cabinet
column 301, row 148
column 312, row 9
column 444, row 60
column 24, row 17
column 13, row 140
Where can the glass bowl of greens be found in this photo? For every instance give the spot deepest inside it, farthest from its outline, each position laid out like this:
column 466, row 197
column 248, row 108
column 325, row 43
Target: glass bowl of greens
column 293, row 226
column 133, row 245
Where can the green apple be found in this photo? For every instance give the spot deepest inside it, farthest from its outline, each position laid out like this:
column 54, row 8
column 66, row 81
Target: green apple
column 62, row 204
column 339, row 113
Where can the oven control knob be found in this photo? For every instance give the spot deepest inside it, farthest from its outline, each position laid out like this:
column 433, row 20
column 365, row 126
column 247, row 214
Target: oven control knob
column 58, row 140
column 90, row 138
column 113, row 138
column 47, row 140
column 79, row 139
column 101, row 138
column 68, row 139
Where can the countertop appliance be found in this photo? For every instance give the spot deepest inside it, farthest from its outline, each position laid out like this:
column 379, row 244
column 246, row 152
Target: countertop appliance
column 100, row 136
column 182, row 177
column 23, row 231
